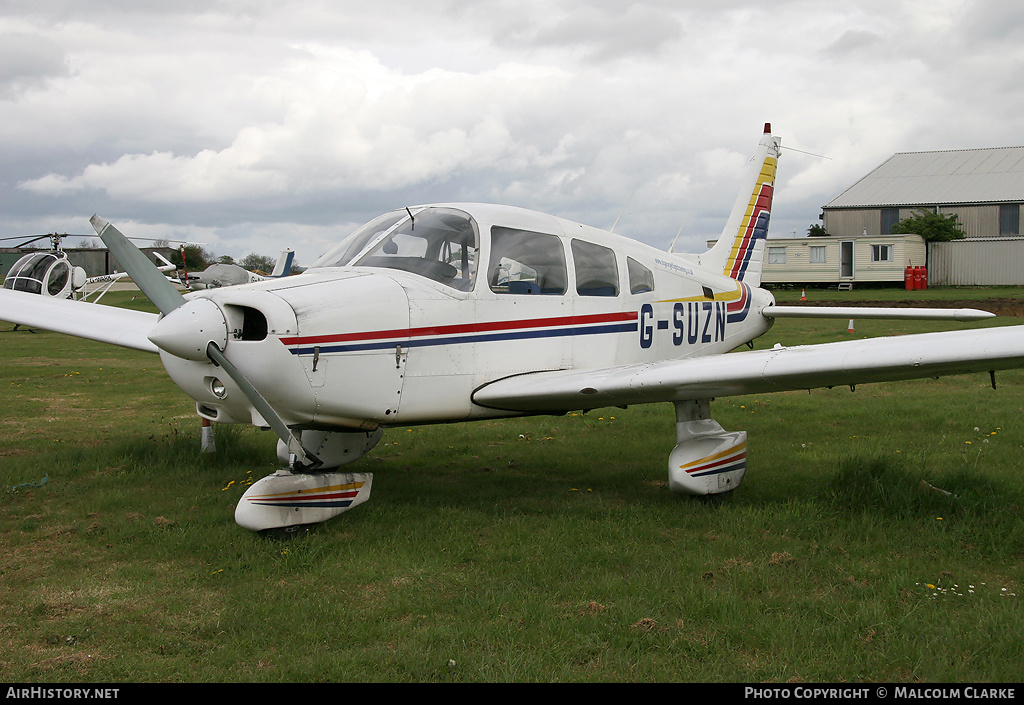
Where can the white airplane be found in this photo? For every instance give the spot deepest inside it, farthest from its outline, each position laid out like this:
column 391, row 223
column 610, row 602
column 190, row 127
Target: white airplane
column 454, row 312
column 218, row 275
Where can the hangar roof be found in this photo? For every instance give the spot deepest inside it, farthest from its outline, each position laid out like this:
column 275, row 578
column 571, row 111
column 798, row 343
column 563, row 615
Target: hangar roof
column 933, row 178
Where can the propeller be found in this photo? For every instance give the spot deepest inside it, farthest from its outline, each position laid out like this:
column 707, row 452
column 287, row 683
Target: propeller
column 195, row 330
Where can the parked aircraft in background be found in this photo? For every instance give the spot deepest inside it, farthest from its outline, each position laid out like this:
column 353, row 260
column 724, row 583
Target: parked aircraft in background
column 218, row 275
column 453, row 312
column 50, row 273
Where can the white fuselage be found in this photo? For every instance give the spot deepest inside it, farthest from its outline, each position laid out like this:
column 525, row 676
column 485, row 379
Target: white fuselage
column 364, row 345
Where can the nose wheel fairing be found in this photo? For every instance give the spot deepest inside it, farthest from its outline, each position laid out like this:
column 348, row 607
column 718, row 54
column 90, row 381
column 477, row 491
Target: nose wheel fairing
column 287, row 499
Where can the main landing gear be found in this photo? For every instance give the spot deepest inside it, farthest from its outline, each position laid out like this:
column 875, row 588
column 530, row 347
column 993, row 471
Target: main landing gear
column 707, row 459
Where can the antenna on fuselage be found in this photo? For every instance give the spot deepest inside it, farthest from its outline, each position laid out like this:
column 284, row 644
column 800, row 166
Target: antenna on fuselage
column 672, row 247
column 614, row 225
column 820, row 156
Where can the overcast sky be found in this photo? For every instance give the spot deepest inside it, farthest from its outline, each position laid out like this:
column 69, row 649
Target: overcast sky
column 254, row 126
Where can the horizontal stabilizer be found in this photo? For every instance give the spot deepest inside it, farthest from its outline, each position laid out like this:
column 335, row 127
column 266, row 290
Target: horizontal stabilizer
column 940, row 314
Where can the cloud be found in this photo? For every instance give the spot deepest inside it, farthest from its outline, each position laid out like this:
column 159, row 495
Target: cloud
column 307, row 117
column 855, row 42
column 27, row 61
column 597, row 33
column 349, row 124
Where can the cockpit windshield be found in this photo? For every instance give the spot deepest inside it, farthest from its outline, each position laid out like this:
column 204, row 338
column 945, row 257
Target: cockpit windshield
column 441, row 244
column 353, row 245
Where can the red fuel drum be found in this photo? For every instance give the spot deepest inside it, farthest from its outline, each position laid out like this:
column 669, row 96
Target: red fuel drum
column 921, row 278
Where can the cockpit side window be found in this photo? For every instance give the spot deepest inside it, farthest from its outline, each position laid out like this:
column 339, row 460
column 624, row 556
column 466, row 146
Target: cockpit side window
column 641, row 279
column 525, row 262
column 351, row 246
column 438, row 243
column 596, row 271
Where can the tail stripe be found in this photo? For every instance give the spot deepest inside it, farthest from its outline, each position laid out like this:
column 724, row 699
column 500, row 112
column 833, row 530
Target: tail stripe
column 754, row 225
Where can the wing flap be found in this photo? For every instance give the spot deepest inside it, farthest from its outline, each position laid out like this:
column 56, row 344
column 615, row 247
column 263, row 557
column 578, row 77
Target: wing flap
column 106, row 324
column 757, row 372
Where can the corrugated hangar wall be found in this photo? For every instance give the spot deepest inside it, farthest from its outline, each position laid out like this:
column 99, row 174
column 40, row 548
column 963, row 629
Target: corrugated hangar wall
column 976, row 262
column 95, row 261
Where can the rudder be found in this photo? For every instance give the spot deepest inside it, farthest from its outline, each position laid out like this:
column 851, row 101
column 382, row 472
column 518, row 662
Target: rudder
column 739, row 252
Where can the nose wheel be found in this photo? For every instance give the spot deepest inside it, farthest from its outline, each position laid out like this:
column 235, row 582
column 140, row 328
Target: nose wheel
column 286, row 499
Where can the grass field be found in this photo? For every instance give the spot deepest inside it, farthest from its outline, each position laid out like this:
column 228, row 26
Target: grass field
column 878, row 536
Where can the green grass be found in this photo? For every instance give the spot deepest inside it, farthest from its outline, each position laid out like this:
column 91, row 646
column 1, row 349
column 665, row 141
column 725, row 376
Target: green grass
column 544, row 549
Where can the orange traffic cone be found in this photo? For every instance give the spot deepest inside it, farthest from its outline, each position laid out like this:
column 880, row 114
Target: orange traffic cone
column 803, row 294
column 849, row 329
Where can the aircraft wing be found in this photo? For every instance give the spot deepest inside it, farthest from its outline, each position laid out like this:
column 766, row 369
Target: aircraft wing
column 106, row 324
column 757, row 372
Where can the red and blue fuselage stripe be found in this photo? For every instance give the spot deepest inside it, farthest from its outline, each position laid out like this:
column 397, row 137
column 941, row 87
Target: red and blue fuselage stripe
column 737, row 310
column 596, row 324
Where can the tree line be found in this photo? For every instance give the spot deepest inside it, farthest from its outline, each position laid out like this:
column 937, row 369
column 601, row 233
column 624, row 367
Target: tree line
column 198, row 258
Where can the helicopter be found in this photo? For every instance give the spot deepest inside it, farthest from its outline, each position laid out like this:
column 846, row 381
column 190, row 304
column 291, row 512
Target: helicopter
column 51, row 273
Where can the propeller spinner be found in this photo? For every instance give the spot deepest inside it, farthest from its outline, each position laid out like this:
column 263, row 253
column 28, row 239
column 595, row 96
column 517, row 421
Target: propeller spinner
column 194, row 330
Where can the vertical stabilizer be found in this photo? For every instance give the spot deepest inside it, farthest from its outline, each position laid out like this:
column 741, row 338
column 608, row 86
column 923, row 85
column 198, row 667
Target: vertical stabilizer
column 739, row 252
column 284, row 264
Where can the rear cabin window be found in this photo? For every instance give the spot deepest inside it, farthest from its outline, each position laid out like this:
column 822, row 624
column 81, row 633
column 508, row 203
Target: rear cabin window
column 640, row 277
column 596, row 271
column 525, row 262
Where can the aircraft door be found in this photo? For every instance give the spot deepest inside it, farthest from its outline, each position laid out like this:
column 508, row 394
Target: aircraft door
column 602, row 326
column 525, row 302
column 516, row 318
